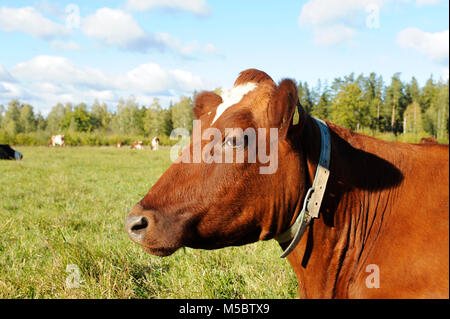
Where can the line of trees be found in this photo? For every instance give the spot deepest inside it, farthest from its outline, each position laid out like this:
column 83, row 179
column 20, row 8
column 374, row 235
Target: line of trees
column 94, row 125
column 365, row 103
column 362, row 103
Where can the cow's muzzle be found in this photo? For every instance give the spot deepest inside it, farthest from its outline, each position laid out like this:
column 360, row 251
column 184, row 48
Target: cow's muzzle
column 137, row 224
column 149, row 229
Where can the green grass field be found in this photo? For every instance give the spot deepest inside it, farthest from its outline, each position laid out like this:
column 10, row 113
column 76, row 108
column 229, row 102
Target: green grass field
column 63, row 210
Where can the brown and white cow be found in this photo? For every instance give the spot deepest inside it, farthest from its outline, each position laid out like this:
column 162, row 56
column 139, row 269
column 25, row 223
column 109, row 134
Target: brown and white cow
column 118, row 144
column 428, row 140
column 155, row 143
column 137, row 145
column 383, row 227
column 57, row 140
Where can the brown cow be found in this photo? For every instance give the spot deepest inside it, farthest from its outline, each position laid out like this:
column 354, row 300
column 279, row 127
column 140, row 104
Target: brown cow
column 57, row 140
column 428, row 140
column 137, row 145
column 383, row 227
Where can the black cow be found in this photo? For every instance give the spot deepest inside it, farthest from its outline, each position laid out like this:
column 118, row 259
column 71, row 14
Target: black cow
column 6, row 152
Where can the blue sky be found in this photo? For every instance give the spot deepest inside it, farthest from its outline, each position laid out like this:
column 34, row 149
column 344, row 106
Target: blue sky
column 73, row 51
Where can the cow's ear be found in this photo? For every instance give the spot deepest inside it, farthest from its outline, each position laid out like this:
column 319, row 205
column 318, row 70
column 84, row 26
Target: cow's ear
column 206, row 102
column 282, row 106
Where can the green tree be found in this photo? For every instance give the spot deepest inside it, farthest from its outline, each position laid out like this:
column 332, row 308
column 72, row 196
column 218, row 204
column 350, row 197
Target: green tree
column 41, row 123
column 181, row 113
column 395, row 102
column 27, row 120
column 321, row 109
column 78, row 120
column 129, row 118
column 429, row 95
column 12, row 118
column 101, row 118
column 157, row 121
column 2, row 110
column 55, row 118
column 413, row 91
column 349, row 108
column 372, row 97
column 436, row 117
column 412, row 119
column 305, row 97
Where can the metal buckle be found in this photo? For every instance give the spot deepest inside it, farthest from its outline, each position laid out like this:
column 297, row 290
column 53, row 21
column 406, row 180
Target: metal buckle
column 307, row 199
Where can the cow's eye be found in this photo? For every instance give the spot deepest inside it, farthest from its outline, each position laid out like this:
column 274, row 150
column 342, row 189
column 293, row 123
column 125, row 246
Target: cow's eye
column 234, row 142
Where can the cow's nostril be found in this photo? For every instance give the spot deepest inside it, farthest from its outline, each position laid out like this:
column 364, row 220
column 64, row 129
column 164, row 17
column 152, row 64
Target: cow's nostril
column 136, row 227
column 140, row 224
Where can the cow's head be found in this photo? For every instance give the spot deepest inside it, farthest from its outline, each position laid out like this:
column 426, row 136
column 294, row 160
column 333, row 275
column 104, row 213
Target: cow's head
column 207, row 204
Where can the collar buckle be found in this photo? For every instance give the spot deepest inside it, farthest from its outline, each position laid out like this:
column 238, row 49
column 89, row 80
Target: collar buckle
column 314, row 195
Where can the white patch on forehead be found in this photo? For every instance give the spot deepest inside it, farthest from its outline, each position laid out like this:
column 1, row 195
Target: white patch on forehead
column 233, row 96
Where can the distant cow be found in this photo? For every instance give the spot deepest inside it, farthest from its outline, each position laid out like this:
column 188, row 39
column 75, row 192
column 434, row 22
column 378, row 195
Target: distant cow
column 57, row 140
column 155, row 143
column 6, row 152
column 428, row 140
column 119, row 145
column 137, row 145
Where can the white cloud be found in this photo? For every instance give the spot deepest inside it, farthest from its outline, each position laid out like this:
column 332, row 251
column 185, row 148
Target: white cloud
column 9, row 91
column 433, row 45
column 66, row 46
column 115, row 27
column 198, row 7
column 186, row 50
column 49, row 8
column 55, row 69
column 334, row 35
column 335, row 22
column 52, row 79
column 5, row 76
column 30, row 21
column 152, row 78
column 118, row 28
column 211, row 48
column 328, row 12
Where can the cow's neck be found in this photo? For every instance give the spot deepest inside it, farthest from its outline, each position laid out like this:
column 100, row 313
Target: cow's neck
column 331, row 253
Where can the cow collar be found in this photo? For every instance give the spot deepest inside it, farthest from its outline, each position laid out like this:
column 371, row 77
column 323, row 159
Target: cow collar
column 314, row 195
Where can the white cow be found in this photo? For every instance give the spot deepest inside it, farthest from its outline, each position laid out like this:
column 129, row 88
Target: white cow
column 155, row 143
column 57, row 140
column 137, row 145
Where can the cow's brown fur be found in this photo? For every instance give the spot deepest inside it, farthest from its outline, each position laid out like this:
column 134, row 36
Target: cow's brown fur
column 386, row 203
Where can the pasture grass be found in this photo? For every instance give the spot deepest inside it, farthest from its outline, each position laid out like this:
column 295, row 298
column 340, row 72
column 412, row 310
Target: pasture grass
column 64, row 208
